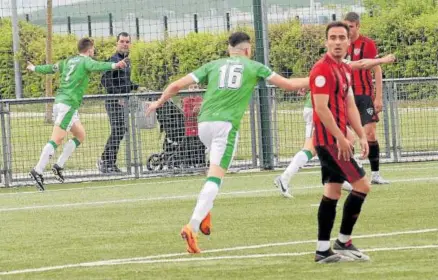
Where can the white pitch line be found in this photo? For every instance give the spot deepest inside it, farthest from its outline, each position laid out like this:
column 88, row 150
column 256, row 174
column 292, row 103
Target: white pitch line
column 119, row 201
column 280, row 244
column 429, row 166
column 177, row 197
column 195, row 259
column 256, row 256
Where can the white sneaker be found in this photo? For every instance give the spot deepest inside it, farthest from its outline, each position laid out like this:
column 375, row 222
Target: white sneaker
column 376, row 179
column 347, row 186
column 350, row 251
column 282, row 187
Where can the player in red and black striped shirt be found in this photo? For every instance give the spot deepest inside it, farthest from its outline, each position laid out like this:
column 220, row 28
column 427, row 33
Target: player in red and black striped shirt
column 368, row 99
column 334, row 106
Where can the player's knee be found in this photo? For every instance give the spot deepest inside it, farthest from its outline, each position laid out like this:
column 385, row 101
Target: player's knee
column 370, row 132
column 362, row 185
column 332, row 191
column 216, row 171
column 80, row 137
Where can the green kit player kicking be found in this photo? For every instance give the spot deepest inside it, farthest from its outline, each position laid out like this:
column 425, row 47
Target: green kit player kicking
column 74, row 78
column 308, row 151
column 231, row 82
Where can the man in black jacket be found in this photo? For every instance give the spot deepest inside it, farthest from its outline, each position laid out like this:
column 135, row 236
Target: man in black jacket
column 116, row 82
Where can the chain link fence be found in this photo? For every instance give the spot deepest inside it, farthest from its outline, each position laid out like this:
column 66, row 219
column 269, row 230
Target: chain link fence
column 171, row 39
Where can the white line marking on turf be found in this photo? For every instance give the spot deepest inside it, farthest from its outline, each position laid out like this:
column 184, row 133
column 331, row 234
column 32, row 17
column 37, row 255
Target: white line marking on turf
column 162, row 258
column 195, row 259
column 96, row 203
column 163, row 181
column 177, row 197
column 254, row 256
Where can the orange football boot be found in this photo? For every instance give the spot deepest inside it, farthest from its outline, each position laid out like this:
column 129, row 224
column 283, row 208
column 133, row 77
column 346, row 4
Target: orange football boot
column 205, row 226
column 191, row 238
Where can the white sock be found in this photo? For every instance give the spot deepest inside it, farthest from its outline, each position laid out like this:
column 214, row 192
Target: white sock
column 204, row 204
column 68, row 150
column 375, row 173
column 344, row 238
column 322, row 246
column 299, row 160
column 46, row 155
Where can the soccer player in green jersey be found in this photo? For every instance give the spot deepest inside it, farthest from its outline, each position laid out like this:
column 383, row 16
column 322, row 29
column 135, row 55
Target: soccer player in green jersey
column 231, row 82
column 308, row 151
column 74, row 78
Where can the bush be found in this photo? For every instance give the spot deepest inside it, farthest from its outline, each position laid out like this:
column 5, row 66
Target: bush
column 402, row 27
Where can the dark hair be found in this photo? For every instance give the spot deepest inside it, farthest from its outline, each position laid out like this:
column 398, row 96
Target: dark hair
column 85, row 44
column 336, row 24
column 352, row 17
column 237, row 38
column 123, row 34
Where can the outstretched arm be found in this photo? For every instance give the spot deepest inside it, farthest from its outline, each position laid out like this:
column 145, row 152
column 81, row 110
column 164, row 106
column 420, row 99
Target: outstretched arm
column 368, row 63
column 289, row 84
column 171, row 91
column 43, row 69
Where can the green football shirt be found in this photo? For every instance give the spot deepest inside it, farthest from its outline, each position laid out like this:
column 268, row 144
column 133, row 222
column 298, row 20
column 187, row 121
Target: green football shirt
column 74, row 77
column 231, row 82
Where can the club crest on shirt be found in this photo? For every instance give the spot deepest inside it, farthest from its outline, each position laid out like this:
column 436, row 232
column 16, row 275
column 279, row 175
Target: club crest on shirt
column 356, row 51
column 370, row 111
column 320, row 81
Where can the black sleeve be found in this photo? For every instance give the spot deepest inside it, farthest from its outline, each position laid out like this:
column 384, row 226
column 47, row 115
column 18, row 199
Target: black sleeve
column 109, row 79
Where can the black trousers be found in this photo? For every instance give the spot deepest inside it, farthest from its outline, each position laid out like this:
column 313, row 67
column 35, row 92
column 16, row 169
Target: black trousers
column 116, row 115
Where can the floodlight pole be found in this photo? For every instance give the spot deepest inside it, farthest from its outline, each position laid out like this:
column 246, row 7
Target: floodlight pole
column 16, row 50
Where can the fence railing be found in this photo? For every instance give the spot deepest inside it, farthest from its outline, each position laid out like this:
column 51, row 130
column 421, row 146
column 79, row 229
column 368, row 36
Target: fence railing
column 166, row 144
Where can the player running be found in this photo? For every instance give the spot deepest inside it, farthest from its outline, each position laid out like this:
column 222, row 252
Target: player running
column 231, row 82
column 74, row 78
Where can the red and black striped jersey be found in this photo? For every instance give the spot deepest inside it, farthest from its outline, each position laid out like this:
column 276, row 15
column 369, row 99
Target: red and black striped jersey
column 333, row 79
column 362, row 80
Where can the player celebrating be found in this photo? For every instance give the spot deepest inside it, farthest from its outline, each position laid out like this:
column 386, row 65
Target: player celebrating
column 308, row 151
column 334, row 107
column 368, row 102
column 73, row 83
column 231, row 82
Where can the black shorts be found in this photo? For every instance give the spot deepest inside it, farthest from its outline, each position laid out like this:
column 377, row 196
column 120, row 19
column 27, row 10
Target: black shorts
column 365, row 105
column 334, row 170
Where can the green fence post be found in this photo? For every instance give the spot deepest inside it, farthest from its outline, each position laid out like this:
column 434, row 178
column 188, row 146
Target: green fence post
column 264, row 109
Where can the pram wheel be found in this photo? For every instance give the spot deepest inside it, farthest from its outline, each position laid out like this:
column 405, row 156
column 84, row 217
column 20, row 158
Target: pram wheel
column 155, row 162
column 174, row 163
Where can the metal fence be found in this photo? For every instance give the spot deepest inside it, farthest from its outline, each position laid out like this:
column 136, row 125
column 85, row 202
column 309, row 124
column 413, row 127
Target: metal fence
column 166, row 144
column 272, row 129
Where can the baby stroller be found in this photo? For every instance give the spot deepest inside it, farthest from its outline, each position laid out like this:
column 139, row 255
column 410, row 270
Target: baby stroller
column 179, row 150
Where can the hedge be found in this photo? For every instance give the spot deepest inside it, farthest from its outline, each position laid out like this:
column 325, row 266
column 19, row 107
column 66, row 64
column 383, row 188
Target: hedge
column 402, row 27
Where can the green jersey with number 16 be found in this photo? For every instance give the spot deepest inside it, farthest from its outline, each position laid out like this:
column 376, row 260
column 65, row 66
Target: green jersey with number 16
column 74, row 77
column 231, row 82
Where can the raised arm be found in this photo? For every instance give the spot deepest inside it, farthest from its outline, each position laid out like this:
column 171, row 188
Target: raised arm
column 289, row 84
column 171, row 91
column 368, row 63
column 44, row 69
column 100, row 66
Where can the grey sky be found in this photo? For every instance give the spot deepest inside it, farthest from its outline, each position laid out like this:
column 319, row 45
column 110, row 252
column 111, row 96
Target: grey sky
column 25, row 6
